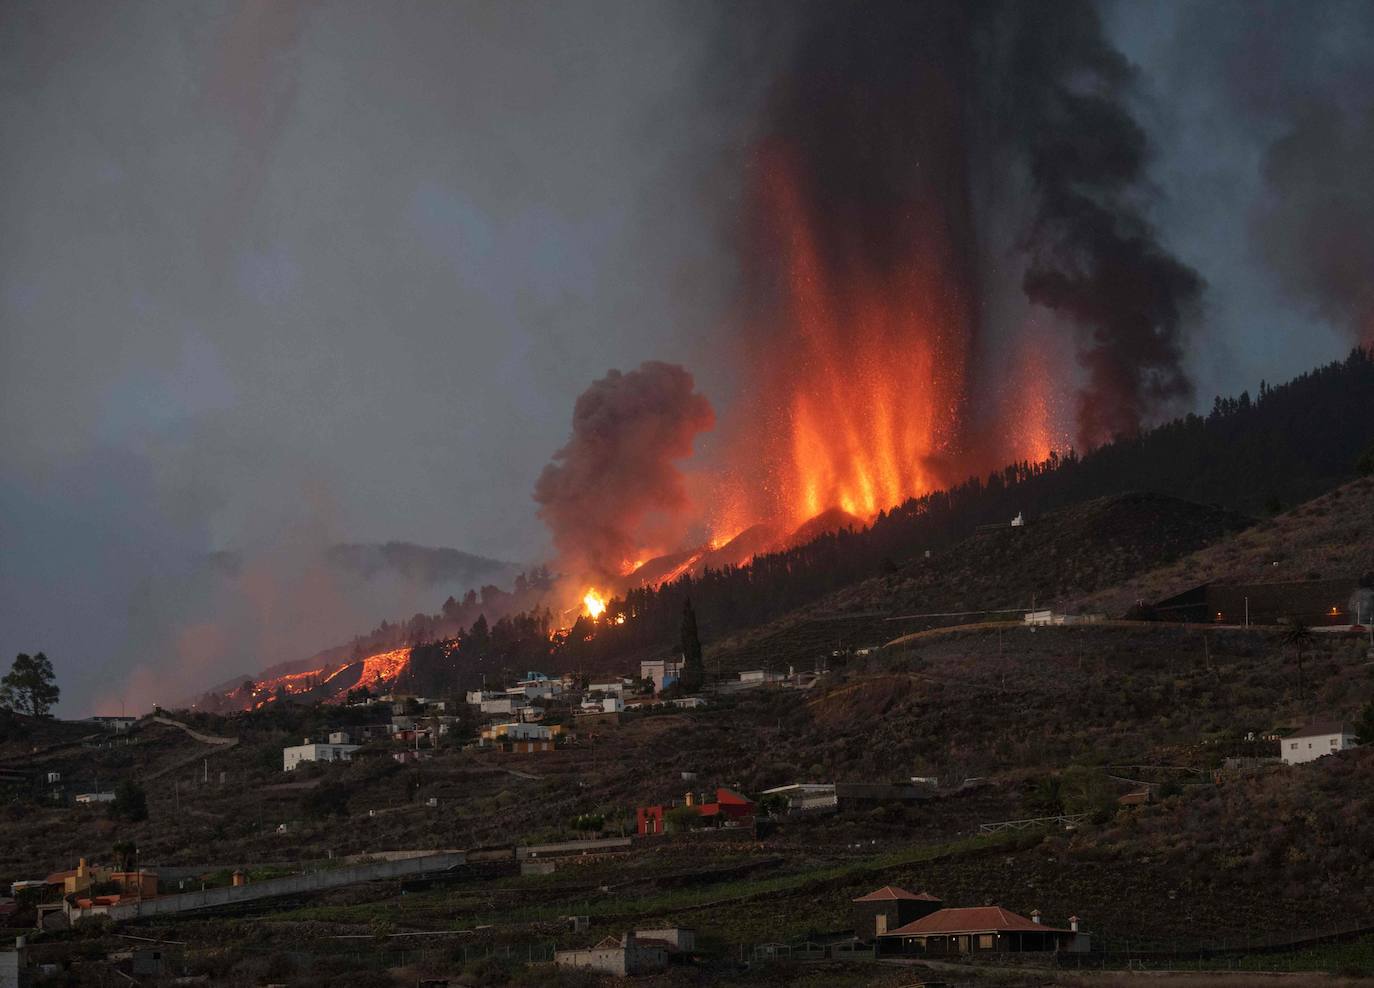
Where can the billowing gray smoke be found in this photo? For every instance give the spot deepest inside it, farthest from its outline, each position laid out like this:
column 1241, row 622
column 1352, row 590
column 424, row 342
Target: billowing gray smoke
column 620, row 466
column 900, row 117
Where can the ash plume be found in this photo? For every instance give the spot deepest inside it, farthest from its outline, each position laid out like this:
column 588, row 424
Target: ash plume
column 620, row 465
column 914, row 130
column 1092, row 254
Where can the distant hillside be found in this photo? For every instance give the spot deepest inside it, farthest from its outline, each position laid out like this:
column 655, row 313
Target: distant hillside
column 421, row 564
column 1330, row 536
column 1049, row 560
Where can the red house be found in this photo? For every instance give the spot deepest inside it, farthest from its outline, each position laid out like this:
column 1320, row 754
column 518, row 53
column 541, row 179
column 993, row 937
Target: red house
column 728, row 808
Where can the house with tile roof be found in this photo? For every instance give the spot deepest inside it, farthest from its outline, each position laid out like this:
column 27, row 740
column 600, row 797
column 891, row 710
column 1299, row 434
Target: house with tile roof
column 888, row 908
column 980, row 930
column 1319, row 738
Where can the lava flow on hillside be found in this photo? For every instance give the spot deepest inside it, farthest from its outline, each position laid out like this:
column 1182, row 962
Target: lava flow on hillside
column 943, row 271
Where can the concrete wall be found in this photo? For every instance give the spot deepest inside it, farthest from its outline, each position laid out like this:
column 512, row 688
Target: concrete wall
column 574, row 847
column 290, row 885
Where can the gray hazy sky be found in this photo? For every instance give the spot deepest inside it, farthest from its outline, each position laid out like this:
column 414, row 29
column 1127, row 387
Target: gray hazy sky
column 274, row 275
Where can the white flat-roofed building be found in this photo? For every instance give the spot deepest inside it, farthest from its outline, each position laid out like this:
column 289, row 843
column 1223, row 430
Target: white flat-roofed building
column 315, row 752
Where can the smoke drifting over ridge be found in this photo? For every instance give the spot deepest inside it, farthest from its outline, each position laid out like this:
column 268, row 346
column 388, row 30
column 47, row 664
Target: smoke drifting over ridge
column 619, row 468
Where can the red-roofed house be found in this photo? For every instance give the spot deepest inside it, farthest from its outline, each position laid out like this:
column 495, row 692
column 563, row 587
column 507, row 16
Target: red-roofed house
column 888, row 908
column 729, row 809
column 980, row 929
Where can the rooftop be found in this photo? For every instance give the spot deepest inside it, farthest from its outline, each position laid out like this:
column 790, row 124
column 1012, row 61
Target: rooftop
column 973, row 919
column 890, row 892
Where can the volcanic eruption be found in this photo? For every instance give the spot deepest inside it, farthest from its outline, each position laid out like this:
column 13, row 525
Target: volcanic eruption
column 911, row 164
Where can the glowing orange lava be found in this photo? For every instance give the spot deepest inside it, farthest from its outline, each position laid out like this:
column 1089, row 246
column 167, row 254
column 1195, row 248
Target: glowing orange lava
column 865, row 397
column 383, row 667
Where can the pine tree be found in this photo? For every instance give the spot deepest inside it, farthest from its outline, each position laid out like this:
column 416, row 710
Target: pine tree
column 693, row 673
column 30, row 687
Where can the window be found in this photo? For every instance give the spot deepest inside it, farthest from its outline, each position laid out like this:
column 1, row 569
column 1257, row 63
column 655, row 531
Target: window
column 985, row 941
column 1293, row 746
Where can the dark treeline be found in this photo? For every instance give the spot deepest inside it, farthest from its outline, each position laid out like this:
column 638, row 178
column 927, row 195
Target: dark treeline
column 1255, row 455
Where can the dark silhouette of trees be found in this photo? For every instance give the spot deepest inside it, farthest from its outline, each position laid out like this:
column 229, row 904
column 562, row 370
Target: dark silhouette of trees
column 130, row 802
column 693, row 672
column 30, row 687
column 1297, row 636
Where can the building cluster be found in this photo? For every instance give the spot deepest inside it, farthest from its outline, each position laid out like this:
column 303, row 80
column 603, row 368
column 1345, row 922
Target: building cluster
column 416, row 722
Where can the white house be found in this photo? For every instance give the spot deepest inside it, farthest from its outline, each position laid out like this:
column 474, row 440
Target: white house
column 95, row 797
column 663, row 672
column 503, row 705
column 1315, row 740
column 616, row 686
column 314, row 752
column 340, row 737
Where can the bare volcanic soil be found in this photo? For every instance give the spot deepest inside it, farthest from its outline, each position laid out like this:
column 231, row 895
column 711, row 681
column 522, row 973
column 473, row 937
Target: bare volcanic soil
column 1047, row 562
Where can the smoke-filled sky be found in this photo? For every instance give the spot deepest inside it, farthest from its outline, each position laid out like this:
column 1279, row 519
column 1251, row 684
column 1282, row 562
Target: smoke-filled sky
column 278, row 275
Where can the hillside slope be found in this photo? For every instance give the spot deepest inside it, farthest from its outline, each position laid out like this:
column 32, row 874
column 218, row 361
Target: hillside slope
column 1329, row 536
column 1004, row 569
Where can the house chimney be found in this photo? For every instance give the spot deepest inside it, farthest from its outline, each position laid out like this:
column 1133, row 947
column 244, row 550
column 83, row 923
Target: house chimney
column 690, row 799
column 1073, row 923
column 1035, row 915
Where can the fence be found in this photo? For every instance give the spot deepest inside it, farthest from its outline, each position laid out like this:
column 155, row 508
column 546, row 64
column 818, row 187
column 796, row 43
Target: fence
column 809, row 951
column 1033, row 823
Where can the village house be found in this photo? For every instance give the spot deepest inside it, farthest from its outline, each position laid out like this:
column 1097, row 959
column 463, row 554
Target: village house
column 979, row 930
column 314, row 752
column 541, row 688
column 641, row 952
column 84, row 878
column 507, row 704
column 759, row 677
column 662, row 672
column 730, row 809
column 1315, row 740
column 889, row 908
column 616, row 686
column 805, row 797
column 521, row 732
column 340, row 737
column 689, row 702
column 603, row 704
column 94, row 797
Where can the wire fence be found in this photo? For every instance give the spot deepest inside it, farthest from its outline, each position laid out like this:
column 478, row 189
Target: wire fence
column 1305, row 950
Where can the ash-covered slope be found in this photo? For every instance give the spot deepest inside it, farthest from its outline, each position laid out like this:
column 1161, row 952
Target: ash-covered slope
column 1048, row 561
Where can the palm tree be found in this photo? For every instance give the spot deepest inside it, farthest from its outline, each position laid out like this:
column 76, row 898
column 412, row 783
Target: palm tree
column 1298, row 636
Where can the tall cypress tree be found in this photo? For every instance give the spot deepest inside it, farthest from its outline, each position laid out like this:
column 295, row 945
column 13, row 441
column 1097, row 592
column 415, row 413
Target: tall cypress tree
column 693, row 673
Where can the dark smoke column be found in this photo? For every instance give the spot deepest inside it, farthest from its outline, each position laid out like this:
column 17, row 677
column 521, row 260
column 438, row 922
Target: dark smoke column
column 628, row 432
column 1060, row 100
